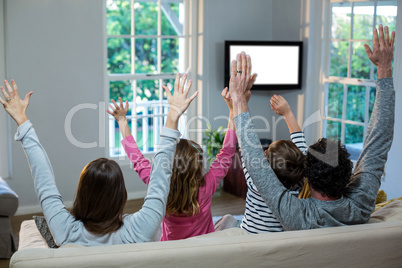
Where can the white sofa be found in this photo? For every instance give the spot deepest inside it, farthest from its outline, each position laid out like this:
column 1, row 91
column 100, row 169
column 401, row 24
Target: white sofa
column 376, row 244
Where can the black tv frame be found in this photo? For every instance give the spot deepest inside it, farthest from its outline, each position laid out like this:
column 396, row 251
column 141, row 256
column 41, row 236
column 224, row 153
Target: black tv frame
column 297, row 86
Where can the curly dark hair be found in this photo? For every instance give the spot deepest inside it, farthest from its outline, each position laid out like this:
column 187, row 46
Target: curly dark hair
column 287, row 161
column 329, row 168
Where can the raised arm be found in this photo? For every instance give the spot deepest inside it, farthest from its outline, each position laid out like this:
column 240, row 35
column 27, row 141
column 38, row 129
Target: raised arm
column 220, row 166
column 145, row 223
column 282, row 203
column 281, row 107
column 119, row 112
column 370, row 165
column 141, row 165
column 44, row 182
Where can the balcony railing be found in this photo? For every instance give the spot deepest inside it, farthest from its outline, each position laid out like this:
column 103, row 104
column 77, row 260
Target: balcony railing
column 145, row 125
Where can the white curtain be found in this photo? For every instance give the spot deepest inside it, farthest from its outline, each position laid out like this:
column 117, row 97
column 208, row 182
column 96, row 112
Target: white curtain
column 5, row 155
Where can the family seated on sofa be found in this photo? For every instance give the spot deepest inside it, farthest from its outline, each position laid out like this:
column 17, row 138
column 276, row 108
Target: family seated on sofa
column 179, row 195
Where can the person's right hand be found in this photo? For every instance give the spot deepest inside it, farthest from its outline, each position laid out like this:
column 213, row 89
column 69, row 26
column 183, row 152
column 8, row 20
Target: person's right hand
column 13, row 104
column 119, row 112
column 178, row 102
column 279, row 105
column 383, row 51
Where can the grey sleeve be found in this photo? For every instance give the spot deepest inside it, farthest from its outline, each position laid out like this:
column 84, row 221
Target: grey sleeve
column 143, row 225
column 290, row 210
column 49, row 197
column 370, row 165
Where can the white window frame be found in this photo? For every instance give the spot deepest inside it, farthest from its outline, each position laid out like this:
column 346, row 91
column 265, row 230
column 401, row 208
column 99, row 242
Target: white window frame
column 162, row 106
column 346, row 81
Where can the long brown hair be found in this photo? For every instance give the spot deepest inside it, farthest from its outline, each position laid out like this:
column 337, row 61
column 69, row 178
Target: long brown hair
column 186, row 179
column 101, row 196
column 287, row 161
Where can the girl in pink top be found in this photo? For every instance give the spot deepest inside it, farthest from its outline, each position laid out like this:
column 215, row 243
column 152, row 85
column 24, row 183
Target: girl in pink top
column 188, row 209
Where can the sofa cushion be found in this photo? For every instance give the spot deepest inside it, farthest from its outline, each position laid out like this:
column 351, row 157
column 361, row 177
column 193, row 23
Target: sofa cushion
column 30, row 236
column 44, row 230
column 390, row 212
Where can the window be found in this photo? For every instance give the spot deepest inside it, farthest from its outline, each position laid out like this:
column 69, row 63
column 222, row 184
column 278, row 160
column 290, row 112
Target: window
column 146, row 46
column 349, row 76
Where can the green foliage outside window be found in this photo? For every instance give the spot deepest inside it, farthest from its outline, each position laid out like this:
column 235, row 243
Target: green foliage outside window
column 118, row 18
column 360, row 67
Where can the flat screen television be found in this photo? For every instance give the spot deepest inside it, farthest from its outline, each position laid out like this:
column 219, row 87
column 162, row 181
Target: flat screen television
column 278, row 64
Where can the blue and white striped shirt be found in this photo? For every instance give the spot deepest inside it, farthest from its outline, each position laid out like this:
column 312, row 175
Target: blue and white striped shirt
column 258, row 218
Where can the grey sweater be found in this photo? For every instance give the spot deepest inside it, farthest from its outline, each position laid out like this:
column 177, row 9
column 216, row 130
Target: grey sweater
column 357, row 204
column 138, row 227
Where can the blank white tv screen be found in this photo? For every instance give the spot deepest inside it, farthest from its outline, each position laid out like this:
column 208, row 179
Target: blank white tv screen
column 274, row 64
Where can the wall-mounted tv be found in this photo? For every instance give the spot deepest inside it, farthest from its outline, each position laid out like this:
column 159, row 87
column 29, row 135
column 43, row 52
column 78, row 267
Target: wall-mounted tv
column 278, row 64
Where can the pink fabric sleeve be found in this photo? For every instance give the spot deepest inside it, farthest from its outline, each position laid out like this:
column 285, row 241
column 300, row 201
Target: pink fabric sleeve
column 141, row 165
column 222, row 163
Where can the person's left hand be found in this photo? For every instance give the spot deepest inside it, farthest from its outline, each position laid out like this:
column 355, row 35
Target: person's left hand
column 13, row 104
column 179, row 102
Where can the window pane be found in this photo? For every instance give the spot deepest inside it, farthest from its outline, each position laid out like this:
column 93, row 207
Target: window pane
column 170, row 84
column 386, row 14
column 147, row 90
column 372, row 100
column 355, row 107
column 339, row 59
column 119, row 55
column 121, row 89
column 146, row 56
column 118, row 17
column 172, row 17
column 354, row 140
column 146, row 17
column 145, row 134
column 361, row 64
column 333, row 130
column 363, row 19
column 170, row 55
column 340, row 24
column 335, row 100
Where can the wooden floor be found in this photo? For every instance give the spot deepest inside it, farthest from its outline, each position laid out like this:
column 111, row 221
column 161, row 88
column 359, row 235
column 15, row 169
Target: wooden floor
column 222, row 203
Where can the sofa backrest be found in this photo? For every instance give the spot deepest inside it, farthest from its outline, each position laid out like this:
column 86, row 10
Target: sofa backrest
column 378, row 244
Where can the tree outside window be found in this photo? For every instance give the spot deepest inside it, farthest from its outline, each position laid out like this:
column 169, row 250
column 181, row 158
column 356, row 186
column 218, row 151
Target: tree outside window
column 145, row 49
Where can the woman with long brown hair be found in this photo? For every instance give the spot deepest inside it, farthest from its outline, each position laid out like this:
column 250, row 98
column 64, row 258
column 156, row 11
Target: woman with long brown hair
column 97, row 215
column 188, row 211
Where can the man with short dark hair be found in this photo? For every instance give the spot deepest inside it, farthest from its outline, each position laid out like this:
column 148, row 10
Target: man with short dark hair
column 334, row 200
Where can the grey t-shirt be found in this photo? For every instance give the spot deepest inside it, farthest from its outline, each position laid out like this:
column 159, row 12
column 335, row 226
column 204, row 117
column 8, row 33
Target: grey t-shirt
column 357, row 204
column 138, row 227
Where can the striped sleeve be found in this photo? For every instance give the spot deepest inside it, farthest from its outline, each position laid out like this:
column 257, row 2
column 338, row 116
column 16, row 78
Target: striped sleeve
column 299, row 140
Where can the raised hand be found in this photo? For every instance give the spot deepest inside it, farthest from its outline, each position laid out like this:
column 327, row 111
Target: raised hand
column 280, row 106
column 13, row 104
column 240, row 78
column 118, row 111
column 383, row 51
column 178, row 102
column 226, row 96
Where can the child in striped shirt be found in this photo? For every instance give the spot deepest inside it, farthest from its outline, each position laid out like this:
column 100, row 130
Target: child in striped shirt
column 287, row 159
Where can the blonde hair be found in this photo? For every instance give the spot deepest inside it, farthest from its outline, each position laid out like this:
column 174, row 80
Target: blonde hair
column 186, row 178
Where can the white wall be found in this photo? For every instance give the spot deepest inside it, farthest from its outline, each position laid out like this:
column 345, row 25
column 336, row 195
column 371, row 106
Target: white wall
column 4, row 122
column 55, row 48
column 246, row 20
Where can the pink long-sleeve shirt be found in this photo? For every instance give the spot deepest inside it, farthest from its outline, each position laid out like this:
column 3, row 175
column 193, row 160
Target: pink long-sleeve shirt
column 176, row 227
